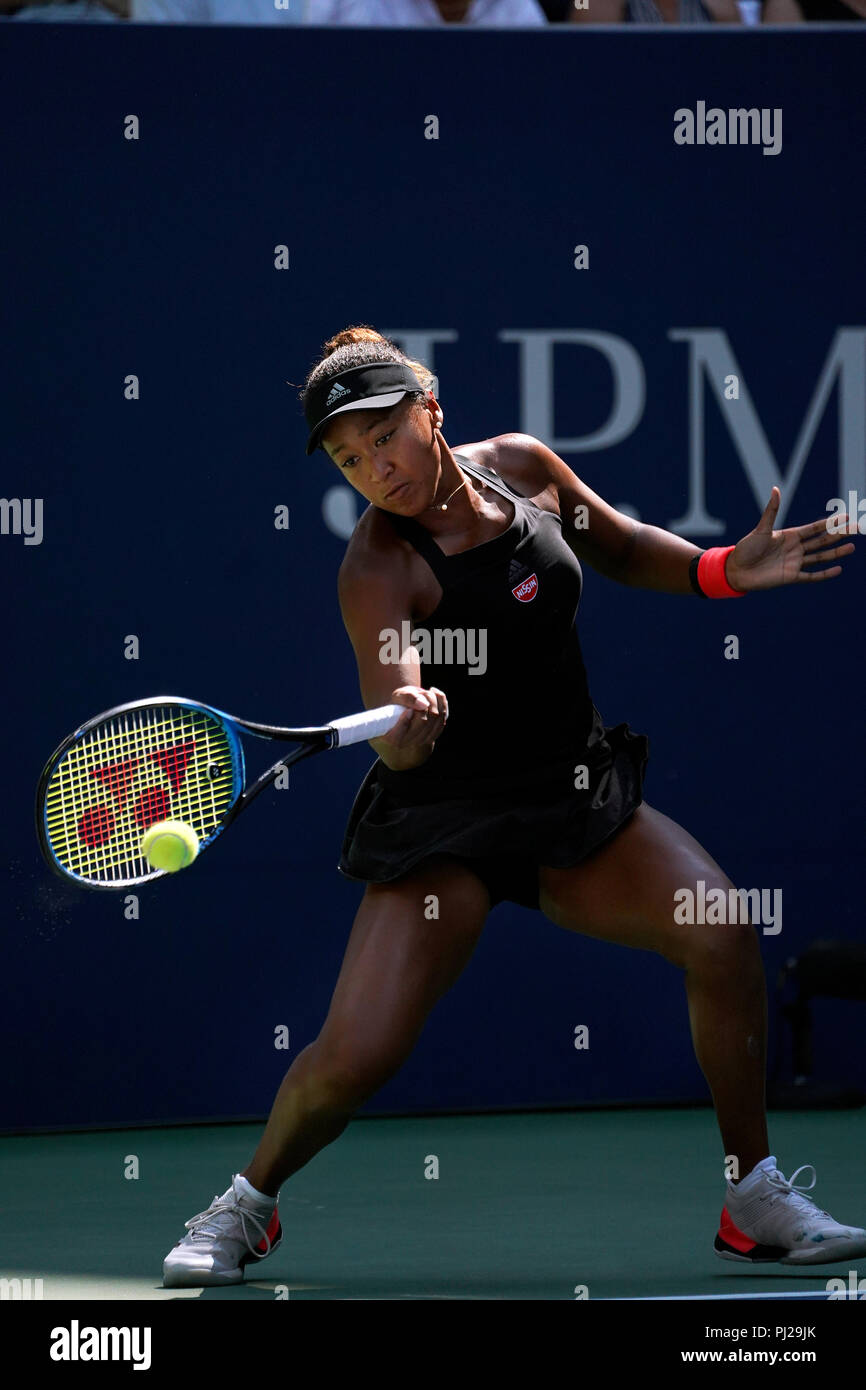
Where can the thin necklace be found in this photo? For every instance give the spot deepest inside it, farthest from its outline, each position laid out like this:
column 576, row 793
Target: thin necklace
column 443, row 506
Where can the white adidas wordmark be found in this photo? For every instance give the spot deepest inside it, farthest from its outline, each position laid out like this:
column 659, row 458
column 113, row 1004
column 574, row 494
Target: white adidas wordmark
column 336, row 392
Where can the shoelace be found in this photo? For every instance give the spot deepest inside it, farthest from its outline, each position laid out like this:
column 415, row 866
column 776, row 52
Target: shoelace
column 204, row 1224
column 787, row 1188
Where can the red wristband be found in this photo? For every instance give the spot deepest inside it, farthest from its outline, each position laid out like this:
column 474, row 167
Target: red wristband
column 711, row 573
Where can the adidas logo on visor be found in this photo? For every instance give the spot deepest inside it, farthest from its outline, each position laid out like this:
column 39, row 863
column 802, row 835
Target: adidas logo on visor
column 336, row 391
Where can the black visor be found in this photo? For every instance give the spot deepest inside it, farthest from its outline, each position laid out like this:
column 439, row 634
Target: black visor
column 376, row 384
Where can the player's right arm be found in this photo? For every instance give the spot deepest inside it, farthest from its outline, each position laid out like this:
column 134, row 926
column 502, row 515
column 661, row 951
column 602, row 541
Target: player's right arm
column 375, row 588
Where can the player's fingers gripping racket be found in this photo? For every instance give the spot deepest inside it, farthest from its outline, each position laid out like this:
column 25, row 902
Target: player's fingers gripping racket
column 162, row 777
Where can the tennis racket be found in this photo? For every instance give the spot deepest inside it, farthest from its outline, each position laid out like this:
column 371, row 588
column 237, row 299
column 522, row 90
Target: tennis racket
column 155, row 760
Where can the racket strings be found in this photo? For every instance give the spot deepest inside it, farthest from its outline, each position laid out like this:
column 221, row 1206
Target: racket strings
column 146, row 765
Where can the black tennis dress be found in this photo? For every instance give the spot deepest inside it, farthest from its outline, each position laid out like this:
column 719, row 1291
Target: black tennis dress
column 503, row 789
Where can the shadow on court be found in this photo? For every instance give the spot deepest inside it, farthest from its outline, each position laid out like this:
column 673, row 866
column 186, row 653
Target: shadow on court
column 526, row 1206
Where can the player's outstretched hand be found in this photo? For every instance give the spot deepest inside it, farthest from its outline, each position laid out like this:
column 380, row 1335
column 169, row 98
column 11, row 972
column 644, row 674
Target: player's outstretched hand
column 767, row 559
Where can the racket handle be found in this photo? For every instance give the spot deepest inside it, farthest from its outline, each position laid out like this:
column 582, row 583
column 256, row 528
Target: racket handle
column 357, row 728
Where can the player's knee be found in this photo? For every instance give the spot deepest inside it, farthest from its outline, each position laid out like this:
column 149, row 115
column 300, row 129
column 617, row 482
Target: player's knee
column 722, row 947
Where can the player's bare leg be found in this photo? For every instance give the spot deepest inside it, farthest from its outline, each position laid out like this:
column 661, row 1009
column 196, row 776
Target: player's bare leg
column 397, row 964
column 625, row 893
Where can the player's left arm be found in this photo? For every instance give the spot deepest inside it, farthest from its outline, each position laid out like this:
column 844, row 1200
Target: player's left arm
column 619, row 547
column 646, row 557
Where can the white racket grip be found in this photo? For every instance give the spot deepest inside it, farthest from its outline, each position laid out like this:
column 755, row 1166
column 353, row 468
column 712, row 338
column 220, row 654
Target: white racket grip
column 356, row 728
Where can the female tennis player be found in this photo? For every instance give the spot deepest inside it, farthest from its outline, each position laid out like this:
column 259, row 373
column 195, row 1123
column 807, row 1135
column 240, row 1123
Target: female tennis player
column 476, row 552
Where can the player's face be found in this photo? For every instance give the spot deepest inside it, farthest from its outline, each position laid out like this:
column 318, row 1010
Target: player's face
column 380, row 450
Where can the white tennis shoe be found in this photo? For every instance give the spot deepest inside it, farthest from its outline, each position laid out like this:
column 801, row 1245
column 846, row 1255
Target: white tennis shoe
column 222, row 1240
column 767, row 1219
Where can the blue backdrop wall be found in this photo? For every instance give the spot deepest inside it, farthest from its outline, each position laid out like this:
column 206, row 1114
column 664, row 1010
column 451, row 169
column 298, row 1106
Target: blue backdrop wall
column 155, row 257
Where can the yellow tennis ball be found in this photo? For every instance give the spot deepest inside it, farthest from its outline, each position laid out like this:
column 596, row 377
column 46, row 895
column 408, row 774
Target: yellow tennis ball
column 169, row 845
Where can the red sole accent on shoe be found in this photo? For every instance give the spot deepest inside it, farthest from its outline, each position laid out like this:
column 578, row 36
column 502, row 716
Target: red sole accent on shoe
column 273, row 1227
column 733, row 1236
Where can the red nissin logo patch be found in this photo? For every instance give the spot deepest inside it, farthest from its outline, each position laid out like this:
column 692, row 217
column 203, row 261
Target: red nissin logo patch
column 527, row 589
